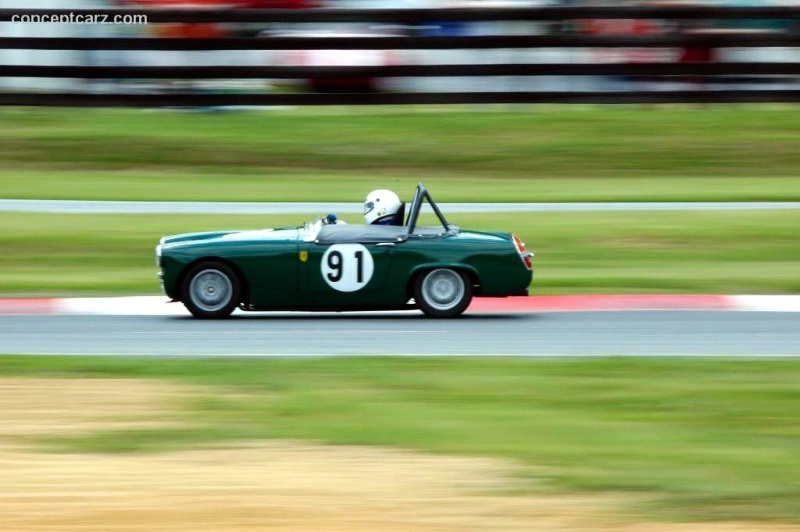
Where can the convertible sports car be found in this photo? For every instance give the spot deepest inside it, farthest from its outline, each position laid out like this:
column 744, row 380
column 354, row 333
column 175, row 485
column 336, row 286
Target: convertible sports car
column 330, row 266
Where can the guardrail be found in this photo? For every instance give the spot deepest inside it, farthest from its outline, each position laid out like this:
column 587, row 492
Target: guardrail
column 559, row 20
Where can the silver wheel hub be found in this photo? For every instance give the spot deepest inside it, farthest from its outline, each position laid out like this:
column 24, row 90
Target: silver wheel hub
column 443, row 289
column 211, row 290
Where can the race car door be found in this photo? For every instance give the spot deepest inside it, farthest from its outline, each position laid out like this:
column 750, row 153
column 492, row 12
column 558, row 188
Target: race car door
column 349, row 265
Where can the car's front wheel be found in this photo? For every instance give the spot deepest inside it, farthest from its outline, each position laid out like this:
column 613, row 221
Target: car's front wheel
column 211, row 290
column 443, row 293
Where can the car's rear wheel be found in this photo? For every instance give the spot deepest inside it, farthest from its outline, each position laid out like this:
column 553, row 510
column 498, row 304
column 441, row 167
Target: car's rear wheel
column 211, row 290
column 443, row 293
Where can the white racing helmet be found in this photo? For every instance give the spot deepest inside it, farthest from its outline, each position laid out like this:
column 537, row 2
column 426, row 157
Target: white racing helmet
column 381, row 206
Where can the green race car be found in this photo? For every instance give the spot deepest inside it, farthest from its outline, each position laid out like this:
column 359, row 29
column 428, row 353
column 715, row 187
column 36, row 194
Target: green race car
column 322, row 266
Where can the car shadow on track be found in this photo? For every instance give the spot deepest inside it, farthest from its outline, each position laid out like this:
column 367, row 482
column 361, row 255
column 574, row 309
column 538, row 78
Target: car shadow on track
column 345, row 316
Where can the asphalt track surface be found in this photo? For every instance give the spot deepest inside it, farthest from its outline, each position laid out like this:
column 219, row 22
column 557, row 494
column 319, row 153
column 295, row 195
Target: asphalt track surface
column 648, row 333
column 186, row 207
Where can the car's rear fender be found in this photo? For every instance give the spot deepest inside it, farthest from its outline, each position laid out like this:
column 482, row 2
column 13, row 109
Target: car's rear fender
column 421, row 269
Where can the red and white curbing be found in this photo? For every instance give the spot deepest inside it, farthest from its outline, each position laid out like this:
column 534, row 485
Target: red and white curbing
column 159, row 306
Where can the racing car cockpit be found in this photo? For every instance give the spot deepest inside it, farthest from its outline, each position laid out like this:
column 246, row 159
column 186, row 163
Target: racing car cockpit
column 399, row 231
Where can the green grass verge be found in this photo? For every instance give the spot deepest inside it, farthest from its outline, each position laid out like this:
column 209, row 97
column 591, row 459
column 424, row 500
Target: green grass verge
column 513, row 154
column 646, row 252
column 707, row 439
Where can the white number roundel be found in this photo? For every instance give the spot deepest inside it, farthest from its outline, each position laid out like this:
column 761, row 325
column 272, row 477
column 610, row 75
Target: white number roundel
column 347, row 267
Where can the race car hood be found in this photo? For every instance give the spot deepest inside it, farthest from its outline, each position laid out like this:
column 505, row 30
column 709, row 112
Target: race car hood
column 227, row 236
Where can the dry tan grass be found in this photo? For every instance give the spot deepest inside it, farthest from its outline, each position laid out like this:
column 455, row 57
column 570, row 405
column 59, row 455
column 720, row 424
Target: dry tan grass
column 271, row 485
column 36, row 407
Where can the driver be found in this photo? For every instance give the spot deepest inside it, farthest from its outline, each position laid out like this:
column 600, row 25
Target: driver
column 382, row 207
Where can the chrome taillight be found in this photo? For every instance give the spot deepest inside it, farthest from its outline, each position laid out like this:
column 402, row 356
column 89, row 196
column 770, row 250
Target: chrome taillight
column 526, row 256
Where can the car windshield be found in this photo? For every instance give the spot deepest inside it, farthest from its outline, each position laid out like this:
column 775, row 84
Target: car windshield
column 311, row 229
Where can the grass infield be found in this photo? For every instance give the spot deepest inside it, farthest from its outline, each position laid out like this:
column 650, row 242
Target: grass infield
column 701, row 439
column 524, row 153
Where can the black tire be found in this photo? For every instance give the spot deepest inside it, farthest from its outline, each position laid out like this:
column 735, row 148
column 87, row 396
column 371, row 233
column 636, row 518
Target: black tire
column 443, row 293
column 211, row 290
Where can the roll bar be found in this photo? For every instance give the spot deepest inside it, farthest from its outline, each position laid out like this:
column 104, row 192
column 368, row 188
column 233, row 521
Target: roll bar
column 416, row 206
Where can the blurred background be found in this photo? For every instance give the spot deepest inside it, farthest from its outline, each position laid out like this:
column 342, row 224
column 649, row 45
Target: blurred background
column 425, row 47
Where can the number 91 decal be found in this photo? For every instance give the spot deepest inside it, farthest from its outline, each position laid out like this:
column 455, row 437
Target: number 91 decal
column 347, row 267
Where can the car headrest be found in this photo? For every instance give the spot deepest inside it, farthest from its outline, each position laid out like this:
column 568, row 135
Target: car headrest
column 399, row 216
